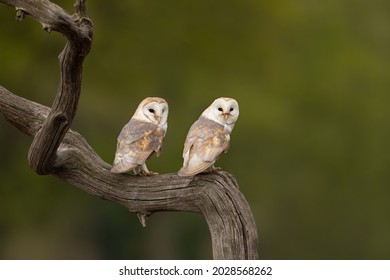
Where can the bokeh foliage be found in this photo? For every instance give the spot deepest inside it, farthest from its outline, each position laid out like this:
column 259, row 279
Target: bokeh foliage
column 310, row 148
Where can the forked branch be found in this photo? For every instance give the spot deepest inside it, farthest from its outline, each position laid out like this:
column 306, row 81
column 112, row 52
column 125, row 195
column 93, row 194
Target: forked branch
column 77, row 29
column 64, row 153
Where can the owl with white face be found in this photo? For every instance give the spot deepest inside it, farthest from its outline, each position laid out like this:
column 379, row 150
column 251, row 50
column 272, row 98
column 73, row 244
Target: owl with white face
column 209, row 137
column 142, row 136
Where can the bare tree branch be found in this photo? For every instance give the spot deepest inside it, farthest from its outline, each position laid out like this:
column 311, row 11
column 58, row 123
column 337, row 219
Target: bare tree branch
column 78, row 31
column 64, row 153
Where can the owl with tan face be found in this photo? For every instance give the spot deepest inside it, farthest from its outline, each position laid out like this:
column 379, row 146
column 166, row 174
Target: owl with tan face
column 142, row 136
column 209, row 137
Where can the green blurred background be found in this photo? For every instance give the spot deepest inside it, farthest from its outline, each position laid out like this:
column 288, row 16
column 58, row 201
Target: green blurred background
column 310, row 149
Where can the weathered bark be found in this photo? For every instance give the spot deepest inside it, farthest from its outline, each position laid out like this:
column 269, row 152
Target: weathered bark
column 64, row 153
column 78, row 31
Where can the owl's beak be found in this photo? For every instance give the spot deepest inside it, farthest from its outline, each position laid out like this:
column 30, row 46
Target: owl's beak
column 226, row 115
column 157, row 118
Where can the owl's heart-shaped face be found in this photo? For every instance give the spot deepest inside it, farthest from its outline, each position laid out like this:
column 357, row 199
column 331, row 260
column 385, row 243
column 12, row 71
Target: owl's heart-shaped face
column 156, row 112
column 225, row 110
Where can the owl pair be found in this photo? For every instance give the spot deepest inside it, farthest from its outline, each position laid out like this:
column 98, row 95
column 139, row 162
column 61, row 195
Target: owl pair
column 144, row 134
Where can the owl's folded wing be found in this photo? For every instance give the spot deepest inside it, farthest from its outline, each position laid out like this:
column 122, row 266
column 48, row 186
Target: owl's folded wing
column 205, row 142
column 136, row 142
column 134, row 130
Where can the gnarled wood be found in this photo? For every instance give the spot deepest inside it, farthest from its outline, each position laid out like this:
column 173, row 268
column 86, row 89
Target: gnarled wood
column 66, row 154
column 78, row 31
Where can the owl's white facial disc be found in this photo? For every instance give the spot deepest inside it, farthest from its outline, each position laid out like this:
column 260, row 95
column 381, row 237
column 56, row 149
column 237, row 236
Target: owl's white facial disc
column 156, row 112
column 225, row 110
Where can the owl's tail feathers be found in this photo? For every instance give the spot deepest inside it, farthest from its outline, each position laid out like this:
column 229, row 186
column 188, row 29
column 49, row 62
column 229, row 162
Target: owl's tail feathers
column 122, row 165
column 184, row 172
column 194, row 168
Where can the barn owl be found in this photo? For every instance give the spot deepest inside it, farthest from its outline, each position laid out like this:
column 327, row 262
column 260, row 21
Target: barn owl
column 209, row 136
column 142, row 136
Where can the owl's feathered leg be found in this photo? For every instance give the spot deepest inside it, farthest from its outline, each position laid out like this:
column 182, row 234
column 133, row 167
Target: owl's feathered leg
column 215, row 169
column 144, row 171
column 137, row 170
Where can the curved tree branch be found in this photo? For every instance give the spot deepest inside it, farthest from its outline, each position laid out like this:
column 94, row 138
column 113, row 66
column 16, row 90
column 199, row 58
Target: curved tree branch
column 78, row 31
column 64, row 153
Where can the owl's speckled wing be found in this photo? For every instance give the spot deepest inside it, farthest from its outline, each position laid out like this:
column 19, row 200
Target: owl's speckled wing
column 206, row 141
column 136, row 143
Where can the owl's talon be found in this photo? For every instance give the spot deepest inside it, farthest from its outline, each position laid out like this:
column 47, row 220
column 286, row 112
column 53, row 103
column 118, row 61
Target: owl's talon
column 216, row 169
column 146, row 173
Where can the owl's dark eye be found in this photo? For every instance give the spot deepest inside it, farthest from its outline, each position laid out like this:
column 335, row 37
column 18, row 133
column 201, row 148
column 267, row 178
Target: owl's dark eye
column 220, row 109
column 151, row 110
column 231, row 109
